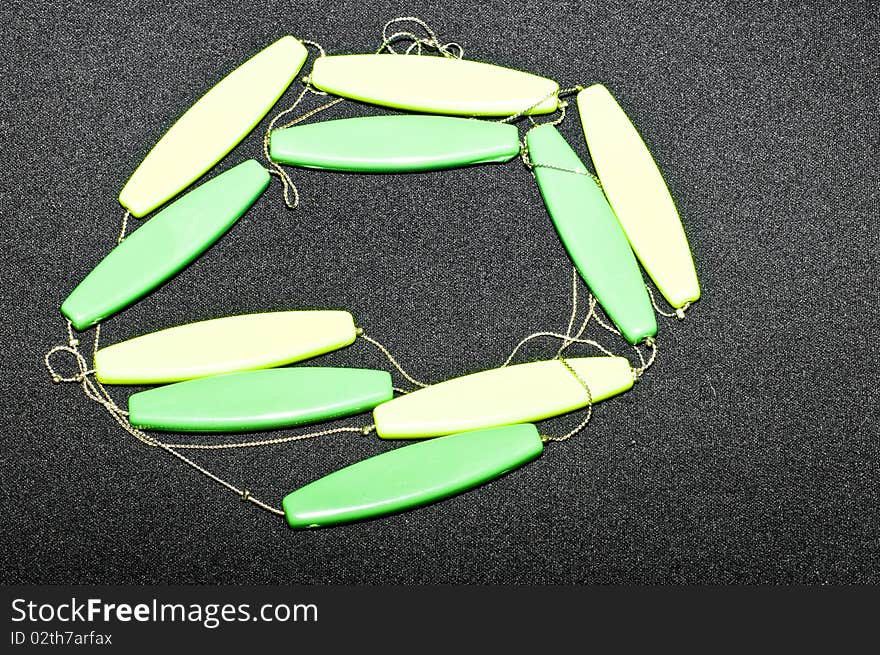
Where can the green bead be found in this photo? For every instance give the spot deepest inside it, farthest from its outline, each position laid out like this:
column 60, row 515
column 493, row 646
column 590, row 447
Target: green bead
column 165, row 244
column 383, row 144
column 591, row 234
column 412, row 475
column 259, row 400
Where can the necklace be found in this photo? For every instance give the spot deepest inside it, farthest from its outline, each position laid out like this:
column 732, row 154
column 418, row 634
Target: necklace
column 222, row 375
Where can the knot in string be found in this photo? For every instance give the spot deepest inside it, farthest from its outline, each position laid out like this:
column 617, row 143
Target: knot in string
column 651, row 344
column 452, row 50
column 91, row 387
column 82, row 365
column 72, row 348
column 677, row 312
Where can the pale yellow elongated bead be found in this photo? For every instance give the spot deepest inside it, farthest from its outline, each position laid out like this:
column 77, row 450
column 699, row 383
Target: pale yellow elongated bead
column 639, row 196
column 502, row 396
column 213, row 126
column 224, row 345
column 435, row 85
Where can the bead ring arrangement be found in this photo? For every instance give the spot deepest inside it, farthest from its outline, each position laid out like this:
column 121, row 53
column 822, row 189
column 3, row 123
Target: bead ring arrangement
column 229, row 374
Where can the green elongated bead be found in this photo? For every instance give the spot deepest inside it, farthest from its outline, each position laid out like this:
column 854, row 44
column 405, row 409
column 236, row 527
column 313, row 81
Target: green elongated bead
column 591, row 234
column 412, row 475
column 165, row 244
column 375, row 144
column 259, row 400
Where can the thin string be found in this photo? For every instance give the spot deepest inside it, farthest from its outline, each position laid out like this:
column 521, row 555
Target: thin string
column 528, row 162
column 561, row 337
column 287, row 185
column 269, row 442
column 559, row 93
column 651, row 344
column 317, row 46
column 591, row 312
column 583, row 327
column 589, row 408
column 409, row 378
column 123, row 228
column 574, row 307
column 244, row 494
column 568, row 339
column 678, row 312
column 431, row 42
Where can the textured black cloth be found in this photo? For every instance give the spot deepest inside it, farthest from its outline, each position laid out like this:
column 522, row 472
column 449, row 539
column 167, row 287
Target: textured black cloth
column 749, row 453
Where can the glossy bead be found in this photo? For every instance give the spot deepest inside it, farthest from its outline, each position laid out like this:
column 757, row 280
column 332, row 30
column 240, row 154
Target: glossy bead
column 213, row 126
column 224, row 345
column 638, row 195
column 386, row 144
column 502, row 396
column 412, row 476
column 435, row 85
column 591, row 234
column 165, row 244
column 260, row 400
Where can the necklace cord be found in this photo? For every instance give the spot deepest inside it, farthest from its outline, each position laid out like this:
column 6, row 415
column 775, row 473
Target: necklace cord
column 381, row 347
column 430, row 42
column 589, row 408
column 677, row 312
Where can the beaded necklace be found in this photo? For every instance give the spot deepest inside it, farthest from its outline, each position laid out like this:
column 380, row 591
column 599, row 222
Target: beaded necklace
column 229, row 375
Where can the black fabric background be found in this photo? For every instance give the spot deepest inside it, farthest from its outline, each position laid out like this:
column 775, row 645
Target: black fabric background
column 748, row 454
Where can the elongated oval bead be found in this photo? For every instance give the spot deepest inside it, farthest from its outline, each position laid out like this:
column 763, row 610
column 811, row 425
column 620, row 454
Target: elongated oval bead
column 591, row 234
column 435, row 85
column 224, row 345
column 386, row 144
column 501, row 396
column 638, row 195
column 412, row 476
column 164, row 245
column 260, row 400
column 213, row 126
